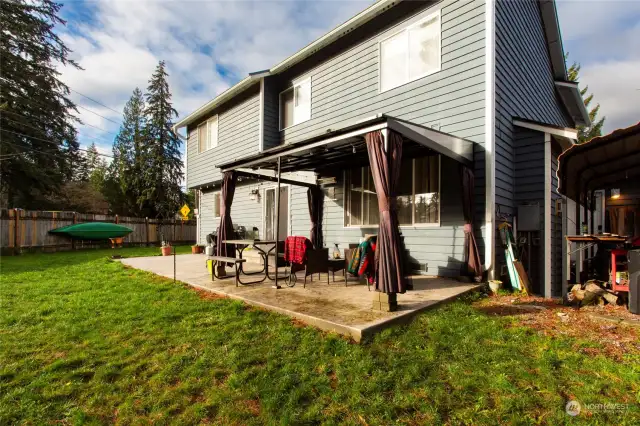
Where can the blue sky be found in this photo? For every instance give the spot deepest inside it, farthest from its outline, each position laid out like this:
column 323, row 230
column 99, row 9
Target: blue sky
column 209, row 45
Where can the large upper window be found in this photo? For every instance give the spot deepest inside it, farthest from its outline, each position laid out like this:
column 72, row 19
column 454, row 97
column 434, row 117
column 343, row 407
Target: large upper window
column 410, row 54
column 208, row 134
column 295, row 104
column 418, row 198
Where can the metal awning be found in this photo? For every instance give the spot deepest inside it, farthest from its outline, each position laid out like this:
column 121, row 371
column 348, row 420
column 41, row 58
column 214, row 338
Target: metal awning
column 345, row 146
column 600, row 162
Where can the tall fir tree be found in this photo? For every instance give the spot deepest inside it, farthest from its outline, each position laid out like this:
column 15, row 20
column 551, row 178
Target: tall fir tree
column 39, row 147
column 163, row 165
column 96, row 167
column 590, row 132
column 127, row 168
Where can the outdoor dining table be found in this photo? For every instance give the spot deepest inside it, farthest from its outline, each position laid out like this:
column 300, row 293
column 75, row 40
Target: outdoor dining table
column 240, row 245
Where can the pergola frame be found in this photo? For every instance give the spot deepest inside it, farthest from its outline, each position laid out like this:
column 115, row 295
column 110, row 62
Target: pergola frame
column 336, row 148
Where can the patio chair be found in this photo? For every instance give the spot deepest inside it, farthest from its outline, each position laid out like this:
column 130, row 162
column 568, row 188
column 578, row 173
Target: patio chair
column 317, row 263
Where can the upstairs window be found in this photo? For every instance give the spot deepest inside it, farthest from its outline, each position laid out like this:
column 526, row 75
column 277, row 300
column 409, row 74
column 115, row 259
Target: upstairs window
column 411, row 54
column 295, row 104
column 208, row 134
column 418, row 197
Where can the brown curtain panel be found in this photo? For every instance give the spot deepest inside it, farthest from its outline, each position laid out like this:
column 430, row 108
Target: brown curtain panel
column 385, row 169
column 315, row 199
column 471, row 255
column 225, row 229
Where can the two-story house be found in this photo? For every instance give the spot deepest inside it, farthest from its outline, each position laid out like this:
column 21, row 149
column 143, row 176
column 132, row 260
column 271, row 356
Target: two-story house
column 478, row 83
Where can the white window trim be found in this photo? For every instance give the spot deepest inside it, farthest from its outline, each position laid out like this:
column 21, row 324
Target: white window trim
column 413, row 225
column 206, row 123
column 297, row 82
column 406, row 29
column 216, row 215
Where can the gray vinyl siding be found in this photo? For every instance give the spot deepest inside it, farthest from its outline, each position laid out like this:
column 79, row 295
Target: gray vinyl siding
column 524, row 86
column 529, row 184
column 524, row 89
column 345, row 88
column 271, row 114
column 238, row 136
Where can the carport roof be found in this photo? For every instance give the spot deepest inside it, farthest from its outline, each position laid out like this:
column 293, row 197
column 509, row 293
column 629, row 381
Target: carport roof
column 601, row 162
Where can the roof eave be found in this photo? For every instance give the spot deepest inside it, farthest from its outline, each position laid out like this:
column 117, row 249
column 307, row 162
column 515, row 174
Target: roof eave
column 554, row 38
column 338, row 32
column 333, row 35
column 571, row 97
column 218, row 100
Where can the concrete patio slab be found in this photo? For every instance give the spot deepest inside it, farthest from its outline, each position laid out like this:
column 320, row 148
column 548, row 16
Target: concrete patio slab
column 334, row 307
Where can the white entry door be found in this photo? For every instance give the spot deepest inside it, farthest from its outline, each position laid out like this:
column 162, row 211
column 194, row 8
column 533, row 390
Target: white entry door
column 270, row 213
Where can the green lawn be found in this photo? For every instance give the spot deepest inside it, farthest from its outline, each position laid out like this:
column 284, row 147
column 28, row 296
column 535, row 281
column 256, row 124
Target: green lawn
column 86, row 341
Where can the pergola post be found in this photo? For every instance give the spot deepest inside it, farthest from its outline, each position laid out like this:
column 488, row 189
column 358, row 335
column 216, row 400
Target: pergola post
column 277, row 231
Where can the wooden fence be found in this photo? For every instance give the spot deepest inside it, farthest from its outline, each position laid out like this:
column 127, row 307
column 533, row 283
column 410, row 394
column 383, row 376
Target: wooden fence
column 26, row 230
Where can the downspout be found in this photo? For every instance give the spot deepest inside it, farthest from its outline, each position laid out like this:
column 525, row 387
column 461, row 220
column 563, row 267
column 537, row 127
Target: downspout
column 489, row 142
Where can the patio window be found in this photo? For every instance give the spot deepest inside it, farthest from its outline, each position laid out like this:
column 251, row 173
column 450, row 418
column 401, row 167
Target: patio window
column 418, row 198
column 295, row 104
column 216, row 205
column 411, row 54
column 208, row 134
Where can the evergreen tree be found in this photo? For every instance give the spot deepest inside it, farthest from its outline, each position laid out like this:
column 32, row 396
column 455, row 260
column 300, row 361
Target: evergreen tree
column 96, row 167
column 163, row 166
column 127, row 168
column 39, row 147
column 587, row 133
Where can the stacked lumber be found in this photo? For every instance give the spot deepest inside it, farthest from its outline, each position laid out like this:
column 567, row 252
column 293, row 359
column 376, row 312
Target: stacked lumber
column 592, row 292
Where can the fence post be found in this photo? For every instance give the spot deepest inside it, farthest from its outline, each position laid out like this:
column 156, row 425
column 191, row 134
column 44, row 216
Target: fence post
column 146, row 227
column 34, row 230
column 73, row 241
column 16, row 234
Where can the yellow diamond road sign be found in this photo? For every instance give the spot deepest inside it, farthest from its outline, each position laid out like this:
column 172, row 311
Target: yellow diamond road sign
column 184, row 211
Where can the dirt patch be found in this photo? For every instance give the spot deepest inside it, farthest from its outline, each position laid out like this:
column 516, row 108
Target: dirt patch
column 298, row 323
column 550, row 318
column 252, row 406
column 333, row 379
column 207, row 295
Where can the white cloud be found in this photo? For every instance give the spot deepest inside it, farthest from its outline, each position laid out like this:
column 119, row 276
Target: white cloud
column 603, row 37
column 207, row 46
